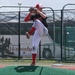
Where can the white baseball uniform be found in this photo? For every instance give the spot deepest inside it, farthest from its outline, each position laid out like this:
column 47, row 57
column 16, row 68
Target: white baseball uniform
column 40, row 31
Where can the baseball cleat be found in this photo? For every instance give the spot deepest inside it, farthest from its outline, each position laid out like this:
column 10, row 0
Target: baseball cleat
column 32, row 64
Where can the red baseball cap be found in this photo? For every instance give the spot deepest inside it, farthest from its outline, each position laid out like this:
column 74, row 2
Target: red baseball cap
column 39, row 6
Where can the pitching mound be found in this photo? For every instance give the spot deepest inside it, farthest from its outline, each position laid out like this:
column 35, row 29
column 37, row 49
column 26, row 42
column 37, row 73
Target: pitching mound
column 34, row 70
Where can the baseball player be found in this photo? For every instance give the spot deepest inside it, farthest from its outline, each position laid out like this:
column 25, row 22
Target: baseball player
column 39, row 31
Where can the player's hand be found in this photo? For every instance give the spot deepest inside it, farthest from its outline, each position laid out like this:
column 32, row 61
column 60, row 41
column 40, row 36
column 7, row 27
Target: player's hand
column 27, row 35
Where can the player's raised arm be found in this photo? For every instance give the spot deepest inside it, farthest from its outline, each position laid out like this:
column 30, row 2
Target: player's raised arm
column 39, row 8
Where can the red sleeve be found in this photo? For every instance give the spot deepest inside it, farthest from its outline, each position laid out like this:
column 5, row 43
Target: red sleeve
column 27, row 18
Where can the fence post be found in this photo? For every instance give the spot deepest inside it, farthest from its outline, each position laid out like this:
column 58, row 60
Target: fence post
column 19, row 30
column 53, row 34
column 62, row 28
column 61, row 32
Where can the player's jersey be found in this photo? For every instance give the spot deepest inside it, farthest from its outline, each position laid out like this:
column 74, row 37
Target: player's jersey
column 43, row 20
column 41, row 29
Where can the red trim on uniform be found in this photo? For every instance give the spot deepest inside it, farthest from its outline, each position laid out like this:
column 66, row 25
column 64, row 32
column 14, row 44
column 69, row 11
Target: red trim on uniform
column 32, row 30
column 27, row 18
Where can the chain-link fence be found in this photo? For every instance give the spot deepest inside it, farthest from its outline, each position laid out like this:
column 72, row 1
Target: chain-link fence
column 58, row 45
column 13, row 43
column 68, row 32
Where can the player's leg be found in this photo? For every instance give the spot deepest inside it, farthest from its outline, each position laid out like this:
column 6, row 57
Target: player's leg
column 35, row 42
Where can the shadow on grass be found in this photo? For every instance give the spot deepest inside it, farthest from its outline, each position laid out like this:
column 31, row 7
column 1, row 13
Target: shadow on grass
column 25, row 68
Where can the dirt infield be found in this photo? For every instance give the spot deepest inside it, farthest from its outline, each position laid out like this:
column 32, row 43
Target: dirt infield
column 2, row 65
column 70, row 66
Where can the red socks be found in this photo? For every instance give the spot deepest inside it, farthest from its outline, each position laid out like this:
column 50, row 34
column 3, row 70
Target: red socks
column 33, row 58
column 32, row 30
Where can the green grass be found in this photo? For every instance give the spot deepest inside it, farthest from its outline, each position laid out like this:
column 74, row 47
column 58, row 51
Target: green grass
column 34, row 70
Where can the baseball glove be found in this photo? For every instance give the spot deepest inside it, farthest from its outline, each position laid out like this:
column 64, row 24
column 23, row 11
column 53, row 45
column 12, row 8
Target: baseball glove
column 27, row 35
column 31, row 9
